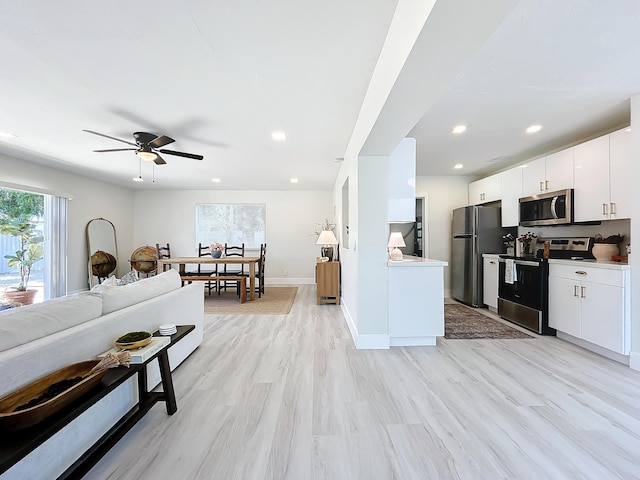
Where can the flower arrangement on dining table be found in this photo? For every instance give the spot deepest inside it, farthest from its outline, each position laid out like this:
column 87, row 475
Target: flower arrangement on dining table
column 527, row 239
column 216, row 249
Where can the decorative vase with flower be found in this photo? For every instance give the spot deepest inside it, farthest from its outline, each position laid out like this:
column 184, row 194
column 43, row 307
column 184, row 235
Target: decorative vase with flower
column 527, row 242
column 216, row 250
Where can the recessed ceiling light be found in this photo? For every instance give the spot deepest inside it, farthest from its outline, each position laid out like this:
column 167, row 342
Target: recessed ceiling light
column 459, row 129
column 534, row 128
column 293, row 180
column 7, row 135
column 138, row 179
column 215, row 180
column 458, row 166
column 279, row 136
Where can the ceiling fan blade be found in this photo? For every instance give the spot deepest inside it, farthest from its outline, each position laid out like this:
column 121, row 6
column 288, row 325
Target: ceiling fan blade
column 108, row 136
column 159, row 160
column 182, row 154
column 161, row 141
column 116, row 150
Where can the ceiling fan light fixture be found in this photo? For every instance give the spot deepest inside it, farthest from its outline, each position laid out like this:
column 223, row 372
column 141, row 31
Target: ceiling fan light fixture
column 147, row 155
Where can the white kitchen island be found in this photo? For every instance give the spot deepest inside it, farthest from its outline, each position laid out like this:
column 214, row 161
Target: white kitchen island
column 416, row 301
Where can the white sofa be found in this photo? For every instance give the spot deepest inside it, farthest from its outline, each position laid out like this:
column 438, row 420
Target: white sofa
column 36, row 340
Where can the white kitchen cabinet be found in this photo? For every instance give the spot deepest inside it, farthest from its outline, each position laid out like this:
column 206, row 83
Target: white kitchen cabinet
column 490, row 281
column 591, row 174
column 620, row 178
column 548, row 174
column 485, row 190
column 602, row 181
column 564, row 305
column 591, row 303
column 533, row 175
column 511, row 193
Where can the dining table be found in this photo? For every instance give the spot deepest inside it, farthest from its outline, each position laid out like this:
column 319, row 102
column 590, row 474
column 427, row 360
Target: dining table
column 182, row 262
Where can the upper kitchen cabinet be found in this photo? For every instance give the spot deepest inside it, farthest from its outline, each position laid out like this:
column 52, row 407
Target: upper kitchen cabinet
column 485, row 190
column 620, row 178
column 511, row 193
column 602, row 183
column 401, row 181
column 548, row 174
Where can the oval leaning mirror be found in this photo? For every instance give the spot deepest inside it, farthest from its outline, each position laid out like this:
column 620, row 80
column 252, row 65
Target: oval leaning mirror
column 102, row 248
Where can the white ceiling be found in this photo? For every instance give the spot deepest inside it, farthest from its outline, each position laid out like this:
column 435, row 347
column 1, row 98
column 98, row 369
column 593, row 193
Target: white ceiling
column 219, row 77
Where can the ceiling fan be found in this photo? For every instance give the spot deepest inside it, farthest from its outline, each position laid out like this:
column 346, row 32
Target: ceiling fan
column 148, row 146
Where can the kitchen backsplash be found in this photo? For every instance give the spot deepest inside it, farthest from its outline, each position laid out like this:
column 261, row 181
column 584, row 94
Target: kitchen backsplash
column 606, row 228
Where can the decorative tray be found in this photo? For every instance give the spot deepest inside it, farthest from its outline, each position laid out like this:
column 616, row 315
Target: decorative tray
column 12, row 420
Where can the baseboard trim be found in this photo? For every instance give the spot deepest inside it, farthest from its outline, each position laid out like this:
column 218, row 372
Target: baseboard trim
column 605, row 352
column 373, row 341
column 412, row 341
column 634, row 361
column 288, row 281
column 377, row 341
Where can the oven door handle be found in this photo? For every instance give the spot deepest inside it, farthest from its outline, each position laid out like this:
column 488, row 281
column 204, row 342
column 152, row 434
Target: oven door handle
column 522, row 262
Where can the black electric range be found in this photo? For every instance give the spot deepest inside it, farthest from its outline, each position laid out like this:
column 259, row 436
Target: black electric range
column 523, row 288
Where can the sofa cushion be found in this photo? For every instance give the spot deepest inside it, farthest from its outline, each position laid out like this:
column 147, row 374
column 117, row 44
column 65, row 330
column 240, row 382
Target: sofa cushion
column 30, row 322
column 117, row 297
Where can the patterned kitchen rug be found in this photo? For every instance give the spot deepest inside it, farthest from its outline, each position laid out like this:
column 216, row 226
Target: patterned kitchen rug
column 464, row 322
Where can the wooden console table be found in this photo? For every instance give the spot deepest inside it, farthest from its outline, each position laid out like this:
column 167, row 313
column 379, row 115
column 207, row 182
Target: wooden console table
column 17, row 445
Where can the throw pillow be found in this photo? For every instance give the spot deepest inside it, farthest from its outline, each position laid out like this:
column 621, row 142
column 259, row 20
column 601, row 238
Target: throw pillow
column 129, row 278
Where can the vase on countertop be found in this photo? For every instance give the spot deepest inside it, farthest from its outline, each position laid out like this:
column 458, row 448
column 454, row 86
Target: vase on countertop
column 604, row 251
column 216, row 254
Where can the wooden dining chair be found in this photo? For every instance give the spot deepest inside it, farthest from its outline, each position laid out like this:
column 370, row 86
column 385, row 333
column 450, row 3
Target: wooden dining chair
column 260, row 272
column 205, row 271
column 232, row 251
column 162, row 253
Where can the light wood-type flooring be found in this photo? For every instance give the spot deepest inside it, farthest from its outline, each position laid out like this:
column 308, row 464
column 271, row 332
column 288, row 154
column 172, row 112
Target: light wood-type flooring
column 289, row 397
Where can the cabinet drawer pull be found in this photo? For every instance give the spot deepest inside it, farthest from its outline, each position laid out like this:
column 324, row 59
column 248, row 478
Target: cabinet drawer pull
column 575, row 290
column 604, row 209
column 581, row 272
column 541, row 186
column 613, row 208
column 582, row 292
column 546, row 184
column 492, row 262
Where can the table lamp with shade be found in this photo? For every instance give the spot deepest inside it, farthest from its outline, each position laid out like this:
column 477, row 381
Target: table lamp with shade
column 396, row 240
column 327, row 239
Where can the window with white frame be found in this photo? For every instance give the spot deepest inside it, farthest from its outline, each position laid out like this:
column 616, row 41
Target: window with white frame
column 231, row 223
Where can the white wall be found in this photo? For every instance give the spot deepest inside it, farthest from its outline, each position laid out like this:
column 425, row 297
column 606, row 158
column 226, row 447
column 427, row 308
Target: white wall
column 445, row 193
column 168, row 216
column 91, row 199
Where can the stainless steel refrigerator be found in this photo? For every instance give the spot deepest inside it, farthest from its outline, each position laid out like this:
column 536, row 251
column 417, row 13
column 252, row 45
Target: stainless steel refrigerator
column 476, row 230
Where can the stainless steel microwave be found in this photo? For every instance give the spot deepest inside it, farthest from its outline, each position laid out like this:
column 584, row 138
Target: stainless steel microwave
column 554, row 208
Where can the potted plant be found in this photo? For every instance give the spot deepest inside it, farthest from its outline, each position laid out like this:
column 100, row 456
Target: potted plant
column 29, row 252
column 606, row 247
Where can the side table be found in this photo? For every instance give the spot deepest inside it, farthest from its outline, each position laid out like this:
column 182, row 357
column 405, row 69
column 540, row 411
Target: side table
column 19, row 444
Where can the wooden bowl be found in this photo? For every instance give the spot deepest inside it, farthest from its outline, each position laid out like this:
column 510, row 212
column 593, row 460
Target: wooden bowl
column 11, row 420
column 134, row 345
column 145, row 340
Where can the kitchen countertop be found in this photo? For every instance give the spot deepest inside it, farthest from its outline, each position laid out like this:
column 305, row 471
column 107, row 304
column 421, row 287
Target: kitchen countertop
column 491, row 255
column 592, row 263
column 408, row 261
